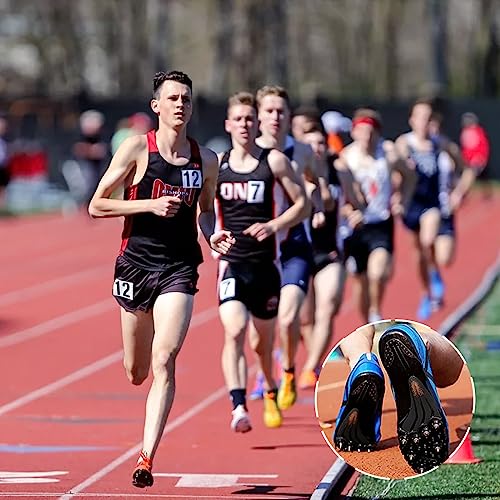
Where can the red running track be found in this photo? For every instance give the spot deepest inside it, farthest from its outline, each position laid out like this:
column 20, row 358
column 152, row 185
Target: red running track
column 70, row 421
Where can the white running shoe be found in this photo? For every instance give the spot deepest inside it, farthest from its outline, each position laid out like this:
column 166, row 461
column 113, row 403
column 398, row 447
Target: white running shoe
column 241, row 420
column 373, row 317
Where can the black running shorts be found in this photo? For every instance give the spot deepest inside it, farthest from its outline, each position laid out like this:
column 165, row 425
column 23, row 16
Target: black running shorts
column 137, row 289
column 367, row 238
column 256, row 285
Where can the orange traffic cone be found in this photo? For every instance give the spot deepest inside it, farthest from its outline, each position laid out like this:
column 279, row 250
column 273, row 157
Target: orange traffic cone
column 464, row 454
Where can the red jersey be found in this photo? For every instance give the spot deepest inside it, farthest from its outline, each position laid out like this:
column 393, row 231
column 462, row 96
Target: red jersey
column 475, row 146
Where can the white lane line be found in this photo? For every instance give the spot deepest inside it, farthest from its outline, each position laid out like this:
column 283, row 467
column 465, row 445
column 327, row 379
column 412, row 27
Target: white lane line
column 30, row 292
column 132, row 452
column 59, row 384
column 234, row 496
column 333, row 385
column 57, row 322
column 78, row 315
column 198, row 319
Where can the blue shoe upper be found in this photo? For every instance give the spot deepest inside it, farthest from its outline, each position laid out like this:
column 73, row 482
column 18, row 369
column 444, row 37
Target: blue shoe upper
column 367, row 363
column 421, row 349
column 258, row 390
column 425, row 308
column 436, row 285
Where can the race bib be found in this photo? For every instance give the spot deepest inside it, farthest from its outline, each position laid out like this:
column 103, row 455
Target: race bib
column 191, row 178
column 227, row 289
column 123, row 289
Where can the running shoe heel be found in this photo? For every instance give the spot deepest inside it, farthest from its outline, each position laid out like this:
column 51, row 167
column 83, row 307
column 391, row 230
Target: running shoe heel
column 358, row 423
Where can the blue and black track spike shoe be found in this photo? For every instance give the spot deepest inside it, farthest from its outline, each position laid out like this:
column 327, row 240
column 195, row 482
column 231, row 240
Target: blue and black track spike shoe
column 422, row 426
column 358, row 422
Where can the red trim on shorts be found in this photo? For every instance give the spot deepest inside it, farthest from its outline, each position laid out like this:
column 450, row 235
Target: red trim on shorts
column 130, row 194
column 151, row 137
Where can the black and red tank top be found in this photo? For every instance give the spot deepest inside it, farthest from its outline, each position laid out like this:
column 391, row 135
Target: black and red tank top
column 242, row 199
column 152, row 242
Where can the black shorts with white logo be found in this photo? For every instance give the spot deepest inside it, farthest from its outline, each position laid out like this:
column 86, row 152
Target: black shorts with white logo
column 137, row 289
column 255, row 285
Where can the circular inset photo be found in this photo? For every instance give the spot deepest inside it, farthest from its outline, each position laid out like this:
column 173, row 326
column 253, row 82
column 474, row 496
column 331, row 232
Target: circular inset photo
column 394, row 399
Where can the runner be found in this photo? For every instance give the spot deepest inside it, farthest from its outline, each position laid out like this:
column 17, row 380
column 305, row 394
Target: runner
column 365, row 167
column 165, row 176
column 253, row 182
column 328, row 274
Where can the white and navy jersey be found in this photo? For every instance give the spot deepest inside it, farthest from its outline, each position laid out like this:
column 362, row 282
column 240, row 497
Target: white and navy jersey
column 375, row 182
column 242, row 199
column 426, row 164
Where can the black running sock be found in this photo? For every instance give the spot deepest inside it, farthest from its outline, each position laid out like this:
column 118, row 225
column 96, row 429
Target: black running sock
column 273, row 393
column 238, row 397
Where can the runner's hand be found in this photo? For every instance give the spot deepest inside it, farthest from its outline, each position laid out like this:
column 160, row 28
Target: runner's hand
column 222, row 241
column 355, row 219
column 260, row 231
column 165, row 206
column 318, row 220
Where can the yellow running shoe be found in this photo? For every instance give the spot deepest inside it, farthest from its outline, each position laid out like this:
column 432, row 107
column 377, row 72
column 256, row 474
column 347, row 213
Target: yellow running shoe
column 308, row 379
column 272, row 414
column 287, row 394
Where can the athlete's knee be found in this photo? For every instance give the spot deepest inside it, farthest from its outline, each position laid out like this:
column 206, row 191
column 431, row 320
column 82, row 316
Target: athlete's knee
column 326, row 310
column 288, row 318
column 163, row 361
column 235, row 334
column 261, row 346
column 378, row 274
column 135, row 373
column 427, row 243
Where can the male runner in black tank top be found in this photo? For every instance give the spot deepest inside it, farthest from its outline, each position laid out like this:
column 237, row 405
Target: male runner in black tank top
column 296, row 252
column 251, row 182
column 166, row 176
column 325, row 295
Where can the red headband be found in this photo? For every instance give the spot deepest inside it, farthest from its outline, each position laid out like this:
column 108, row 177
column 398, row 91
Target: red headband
column 368, row 121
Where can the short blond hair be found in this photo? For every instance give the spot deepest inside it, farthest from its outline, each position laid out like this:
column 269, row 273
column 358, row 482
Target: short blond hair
column 272, row 90
column 241, row 98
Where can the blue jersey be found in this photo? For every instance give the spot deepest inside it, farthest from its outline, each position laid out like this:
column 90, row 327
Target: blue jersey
column 426, row 163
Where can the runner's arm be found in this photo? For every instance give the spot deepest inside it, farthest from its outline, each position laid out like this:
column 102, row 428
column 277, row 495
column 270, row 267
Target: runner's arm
column 294, row 188
column 407, row 181
column 350, row 187
column 120, row 170
column 220, row 241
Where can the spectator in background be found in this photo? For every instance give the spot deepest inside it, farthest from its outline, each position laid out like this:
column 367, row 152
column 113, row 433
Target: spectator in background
column 122, row 132
column 4, row 173
column 137, row 124
column 475, row 145
column 91, row 151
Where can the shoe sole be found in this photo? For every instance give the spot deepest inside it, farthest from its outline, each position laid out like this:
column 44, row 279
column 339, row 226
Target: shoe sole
column 243, row 425
column 356, row 429
column 142, row 478
column 274, row 423
column 422, row 427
